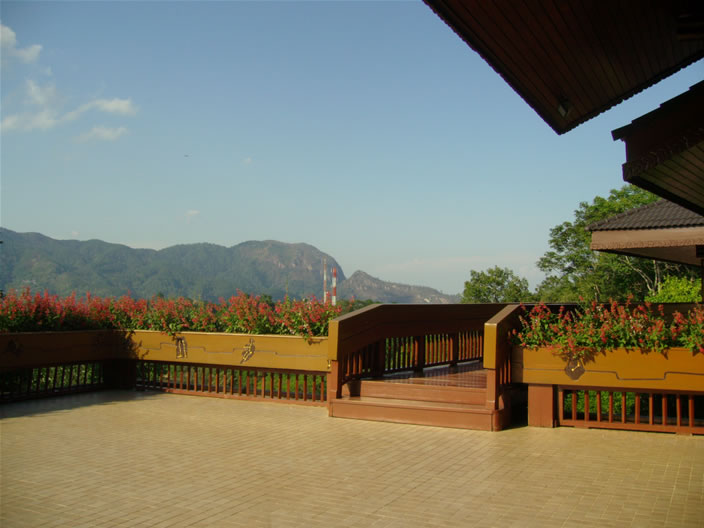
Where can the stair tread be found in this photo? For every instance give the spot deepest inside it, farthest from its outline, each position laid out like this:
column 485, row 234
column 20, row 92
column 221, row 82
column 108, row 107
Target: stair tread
column 415, row 384
column 393, row 402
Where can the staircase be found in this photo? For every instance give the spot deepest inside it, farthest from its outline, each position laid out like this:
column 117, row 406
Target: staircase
column 440, row 396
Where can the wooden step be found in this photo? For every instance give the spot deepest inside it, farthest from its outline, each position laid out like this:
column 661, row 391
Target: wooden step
column 439, row 414
column 415, row 391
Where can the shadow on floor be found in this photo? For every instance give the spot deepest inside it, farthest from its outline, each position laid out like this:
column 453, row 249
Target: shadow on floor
column 70, row 401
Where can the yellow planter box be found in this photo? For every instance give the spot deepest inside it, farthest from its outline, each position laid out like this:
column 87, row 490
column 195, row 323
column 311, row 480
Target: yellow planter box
column 264, row 351
column 34, row 349
column 677, row 370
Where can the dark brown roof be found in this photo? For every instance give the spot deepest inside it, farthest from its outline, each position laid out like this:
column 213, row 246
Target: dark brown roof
column 665, row 149
column 657, row 215
column 694, row 94
column 571, row 61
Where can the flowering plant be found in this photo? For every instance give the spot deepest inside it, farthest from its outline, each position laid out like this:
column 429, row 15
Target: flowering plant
column 594, row 328
column 242, row 313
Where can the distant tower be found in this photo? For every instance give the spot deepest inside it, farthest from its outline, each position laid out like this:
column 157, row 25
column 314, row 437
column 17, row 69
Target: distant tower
column 334, row 286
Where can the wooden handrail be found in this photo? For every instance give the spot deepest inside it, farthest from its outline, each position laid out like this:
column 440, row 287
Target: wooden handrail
column 423, row 334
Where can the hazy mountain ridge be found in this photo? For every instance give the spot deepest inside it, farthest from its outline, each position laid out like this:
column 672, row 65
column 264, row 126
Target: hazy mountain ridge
column 361, row 285
column 202, row 271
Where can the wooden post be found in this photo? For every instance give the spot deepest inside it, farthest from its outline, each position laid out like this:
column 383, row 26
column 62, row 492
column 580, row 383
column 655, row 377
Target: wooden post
column 491, row 389
column 334, row 390
column 541, row 405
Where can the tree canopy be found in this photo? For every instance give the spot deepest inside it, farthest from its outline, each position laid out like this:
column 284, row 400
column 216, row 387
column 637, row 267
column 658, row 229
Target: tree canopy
column 574, row 271
column 495, row 285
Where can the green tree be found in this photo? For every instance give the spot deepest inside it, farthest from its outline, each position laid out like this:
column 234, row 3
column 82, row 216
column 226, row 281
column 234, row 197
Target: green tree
column 677, row 289
column 350, row 305
column 574, row 271
column 496, row 285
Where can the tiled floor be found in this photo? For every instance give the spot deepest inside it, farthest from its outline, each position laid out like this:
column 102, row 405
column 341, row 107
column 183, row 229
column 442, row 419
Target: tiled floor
column 138, row 459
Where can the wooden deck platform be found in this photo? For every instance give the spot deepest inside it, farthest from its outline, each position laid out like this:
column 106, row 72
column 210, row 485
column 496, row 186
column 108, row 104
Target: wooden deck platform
column 469, row 375
column 446, row 396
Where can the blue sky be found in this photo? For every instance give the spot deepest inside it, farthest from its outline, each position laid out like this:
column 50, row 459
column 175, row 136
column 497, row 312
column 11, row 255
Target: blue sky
column 368, row 129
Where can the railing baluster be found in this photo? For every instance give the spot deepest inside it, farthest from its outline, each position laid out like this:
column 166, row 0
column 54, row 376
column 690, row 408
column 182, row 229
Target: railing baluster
column 623, row 407
column 598, row 406
column 46, row 380
column 651, row 409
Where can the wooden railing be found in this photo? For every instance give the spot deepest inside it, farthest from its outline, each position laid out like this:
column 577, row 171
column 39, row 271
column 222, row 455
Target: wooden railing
column 45, row 364
column 642, row 410
column 232, row 381
column 618, row 389
column 54, row 380
column 383, row 339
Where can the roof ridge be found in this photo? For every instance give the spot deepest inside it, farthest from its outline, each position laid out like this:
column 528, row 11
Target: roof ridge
column 661, row 214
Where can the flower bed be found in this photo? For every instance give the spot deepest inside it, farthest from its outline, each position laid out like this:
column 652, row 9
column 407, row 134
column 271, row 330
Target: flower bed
column 28, row 312
column 594, row 329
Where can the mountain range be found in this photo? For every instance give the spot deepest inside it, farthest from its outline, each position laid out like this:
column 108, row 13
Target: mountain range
column 199, row 271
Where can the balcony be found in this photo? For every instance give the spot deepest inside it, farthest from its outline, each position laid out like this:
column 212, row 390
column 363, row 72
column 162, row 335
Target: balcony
column 439, row 365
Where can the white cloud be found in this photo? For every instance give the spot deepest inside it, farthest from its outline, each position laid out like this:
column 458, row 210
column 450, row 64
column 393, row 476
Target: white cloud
column 8, row 41
column 42, row 120
column 75, row 234
column 101, row 133
column 247, row 161
column 114, row 106
column 45, row 96
column 110, row 106
column 29, row 54
column 40, row 95
column 11, row 122
column 42, row 109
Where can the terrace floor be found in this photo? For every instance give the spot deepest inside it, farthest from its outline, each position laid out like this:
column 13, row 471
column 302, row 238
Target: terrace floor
column 134, row 459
